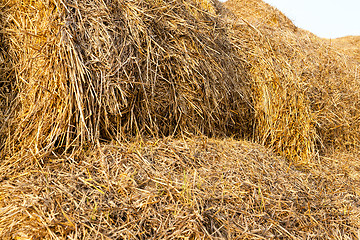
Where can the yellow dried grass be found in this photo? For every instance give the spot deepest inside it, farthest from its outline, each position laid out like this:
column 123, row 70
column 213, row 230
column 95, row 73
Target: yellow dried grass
column 90, row 72
column 260, row 13
column 196, row 188
column 306, row 93
column 349, row 44
column 134, row 68
column 7, row 88
column 84, row 78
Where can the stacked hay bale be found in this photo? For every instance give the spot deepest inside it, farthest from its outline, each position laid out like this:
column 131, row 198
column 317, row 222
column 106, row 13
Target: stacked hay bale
column 94, row 70
column 158, row 69
column 306, row 94
column 121, row 73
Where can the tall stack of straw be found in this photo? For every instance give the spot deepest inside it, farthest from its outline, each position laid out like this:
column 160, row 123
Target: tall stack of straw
column 96, row 70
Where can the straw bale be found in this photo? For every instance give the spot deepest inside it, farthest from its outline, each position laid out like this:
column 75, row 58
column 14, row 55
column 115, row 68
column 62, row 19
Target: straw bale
column 306, row 93
column 97, row 70
column 164, row 68
column 200, row 188
column 349, row 44
column 260, row 13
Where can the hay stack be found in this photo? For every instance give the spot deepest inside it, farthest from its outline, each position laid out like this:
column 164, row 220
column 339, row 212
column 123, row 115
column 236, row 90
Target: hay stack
column 306, row 94
column 156, row 69
column 350, row 45
column 260, row 13
column 94, row 70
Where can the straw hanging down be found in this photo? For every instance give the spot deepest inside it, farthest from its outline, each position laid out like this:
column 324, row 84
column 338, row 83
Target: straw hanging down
column 93, row 70
column 7, row 93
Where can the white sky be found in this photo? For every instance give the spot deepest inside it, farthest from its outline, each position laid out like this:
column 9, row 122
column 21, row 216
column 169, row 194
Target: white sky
column 325, row 18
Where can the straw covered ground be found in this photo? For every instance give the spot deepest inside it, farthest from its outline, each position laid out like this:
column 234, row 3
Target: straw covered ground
column 174, row 119
column 196, row 188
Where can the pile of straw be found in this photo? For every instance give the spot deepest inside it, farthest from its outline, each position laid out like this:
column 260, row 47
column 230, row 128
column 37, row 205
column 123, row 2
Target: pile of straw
column 89, row 89
column 134, row 68
column 350, row 45
column 306, row 93
column 170, row 68
column 260, row 13
column 175, row 189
